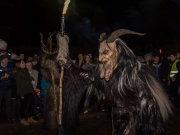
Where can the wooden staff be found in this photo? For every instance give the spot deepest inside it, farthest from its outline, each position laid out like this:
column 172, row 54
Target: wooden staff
column 55, row 97
column 60, row 95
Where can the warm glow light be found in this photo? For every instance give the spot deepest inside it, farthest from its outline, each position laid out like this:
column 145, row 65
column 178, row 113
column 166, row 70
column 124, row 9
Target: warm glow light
column 65, row 6
column 160, row 51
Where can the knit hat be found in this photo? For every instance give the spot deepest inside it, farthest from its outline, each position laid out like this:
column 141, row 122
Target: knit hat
column 2, row 44
column 35, row 59
column 29, row 58
column 28, row 63
column 140, row 58
column 147, row 54
column 2, row 57
column 13, row 55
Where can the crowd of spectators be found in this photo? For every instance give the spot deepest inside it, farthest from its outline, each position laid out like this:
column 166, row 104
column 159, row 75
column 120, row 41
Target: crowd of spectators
column 24, row 86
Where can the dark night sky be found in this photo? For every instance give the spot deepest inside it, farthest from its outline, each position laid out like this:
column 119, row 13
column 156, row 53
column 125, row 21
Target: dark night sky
column 85, row 20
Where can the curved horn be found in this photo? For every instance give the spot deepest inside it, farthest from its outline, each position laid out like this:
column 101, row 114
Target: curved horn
column 121, row 32
column 102, row 36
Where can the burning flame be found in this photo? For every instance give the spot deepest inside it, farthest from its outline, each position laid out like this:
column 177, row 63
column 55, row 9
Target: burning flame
column 65, row 6
column 160, row 51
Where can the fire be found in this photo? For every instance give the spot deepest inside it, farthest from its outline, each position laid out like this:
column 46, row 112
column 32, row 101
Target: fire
column 160, row 51
column 65, row 6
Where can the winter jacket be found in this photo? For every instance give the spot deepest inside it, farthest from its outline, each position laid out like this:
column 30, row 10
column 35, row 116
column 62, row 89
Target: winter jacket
column 5, row 83
column 23, row 83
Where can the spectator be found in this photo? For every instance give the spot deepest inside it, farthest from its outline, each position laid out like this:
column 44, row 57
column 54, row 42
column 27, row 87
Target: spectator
column 5, row 83
column 148, row 59
column 45, row 84
column 173, row 83
column 140, row 59
column 80, row 60
column 21, row 56
column 178, row 55
column 88, row 66
column 29, row 59
column 164, row 73
column 3, row 48
column 157, row 66
column 25, row 91
column 35, row 81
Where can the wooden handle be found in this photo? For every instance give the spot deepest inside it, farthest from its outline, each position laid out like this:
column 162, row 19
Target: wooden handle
column 60, row 95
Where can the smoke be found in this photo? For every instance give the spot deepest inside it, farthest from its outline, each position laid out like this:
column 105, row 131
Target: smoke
column 85, row 34
column 176, row 1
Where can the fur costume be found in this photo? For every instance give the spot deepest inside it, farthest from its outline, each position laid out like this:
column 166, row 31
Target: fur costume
column 139, row 103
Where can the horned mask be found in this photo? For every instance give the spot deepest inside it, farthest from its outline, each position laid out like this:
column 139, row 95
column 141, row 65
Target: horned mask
column 108, row 53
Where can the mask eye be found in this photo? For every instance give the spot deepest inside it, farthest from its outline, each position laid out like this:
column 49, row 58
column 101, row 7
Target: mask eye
column 105, row 52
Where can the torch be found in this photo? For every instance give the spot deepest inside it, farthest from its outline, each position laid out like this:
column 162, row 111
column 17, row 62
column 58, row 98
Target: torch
column 60, row 129
column 63, row 13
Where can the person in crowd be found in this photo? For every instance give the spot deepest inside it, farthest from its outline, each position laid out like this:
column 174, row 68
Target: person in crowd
column 157, row 66
column 14, row 56
column 90, row 54
column 140, row 59
column 24, row 91
column 173, row 81
column 15, row 101
column 29, row 59
column 148, row 59
column 80, row 60
column 36, row 64
column 88, row 66
column 178, row 55
column 164, row 72
column 45, row 84
column 35, row 81
column 3, row 48
column 21, row 56
column 5, row 84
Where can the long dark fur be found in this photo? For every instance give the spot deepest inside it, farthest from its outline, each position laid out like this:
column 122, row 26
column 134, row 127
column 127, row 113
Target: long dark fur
column 136, row 85
column 50, row 66
column 75, row 82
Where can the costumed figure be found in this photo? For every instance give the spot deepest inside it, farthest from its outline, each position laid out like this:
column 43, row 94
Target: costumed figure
column 75, row 81
column 139, row 103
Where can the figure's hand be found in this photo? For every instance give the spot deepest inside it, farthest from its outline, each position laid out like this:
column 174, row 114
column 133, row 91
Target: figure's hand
column 173, row 79
column 22, row 97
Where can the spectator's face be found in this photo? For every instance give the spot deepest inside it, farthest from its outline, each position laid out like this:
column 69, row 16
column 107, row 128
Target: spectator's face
column 178, row 55
column 2, row 52
column 90, row 55
column 4, row 61
column 80, row 56
column 172, row 58
column 21, row 56
column 34, row 62
column 4, row 47
column 29, row 67
column 148, row 58
column 156, row 59
column 22, row 64
column 87, row 58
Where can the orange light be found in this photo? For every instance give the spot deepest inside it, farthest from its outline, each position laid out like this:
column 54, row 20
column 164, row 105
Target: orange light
column 160, row 51
column 65, row 6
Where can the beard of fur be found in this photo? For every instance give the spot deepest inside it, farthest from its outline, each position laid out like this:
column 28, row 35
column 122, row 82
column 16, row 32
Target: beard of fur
column 128, row 82
column 160, row 96
column 128, row 67
column 51, row 67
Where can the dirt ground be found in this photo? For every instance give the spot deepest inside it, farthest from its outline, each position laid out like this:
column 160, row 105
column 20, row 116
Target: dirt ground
column 92, row 123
